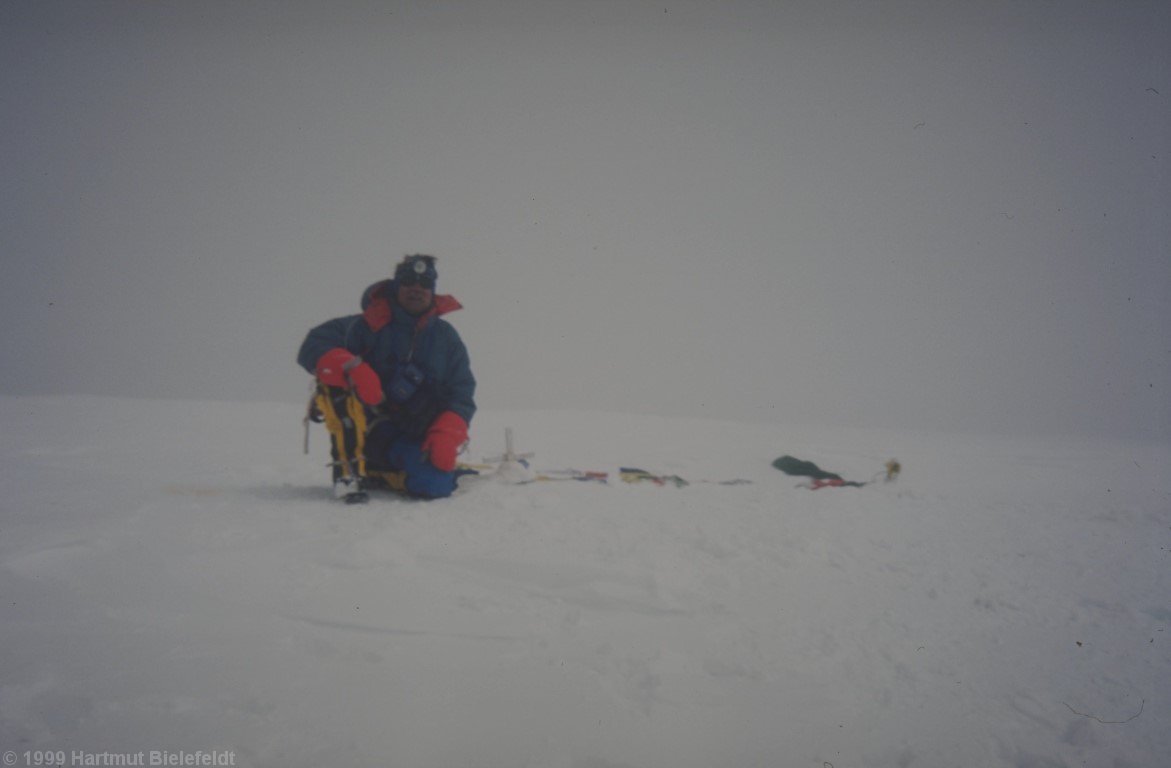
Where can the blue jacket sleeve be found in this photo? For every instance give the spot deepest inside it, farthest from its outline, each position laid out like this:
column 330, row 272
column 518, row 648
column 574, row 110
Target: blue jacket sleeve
column 462, row 387
column 327, row 336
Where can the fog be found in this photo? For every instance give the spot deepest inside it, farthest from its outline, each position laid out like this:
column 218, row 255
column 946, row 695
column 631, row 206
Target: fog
column 936, row 215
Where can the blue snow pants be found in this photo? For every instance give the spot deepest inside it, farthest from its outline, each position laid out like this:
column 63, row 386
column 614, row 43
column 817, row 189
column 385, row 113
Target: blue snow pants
column 386, row 450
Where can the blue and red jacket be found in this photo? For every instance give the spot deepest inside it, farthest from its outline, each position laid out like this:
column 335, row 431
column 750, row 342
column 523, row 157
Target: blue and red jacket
column 384, row 336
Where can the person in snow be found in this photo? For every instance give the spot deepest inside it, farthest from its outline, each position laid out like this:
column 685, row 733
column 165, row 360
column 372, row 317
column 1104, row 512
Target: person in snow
column 395, row 387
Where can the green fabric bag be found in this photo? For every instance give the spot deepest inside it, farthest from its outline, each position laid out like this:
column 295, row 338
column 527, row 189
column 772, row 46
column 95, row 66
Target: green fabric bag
column 792, row 466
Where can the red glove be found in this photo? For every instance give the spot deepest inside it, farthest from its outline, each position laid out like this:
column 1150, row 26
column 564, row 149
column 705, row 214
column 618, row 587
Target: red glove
column 444, row 437
column 341, row 368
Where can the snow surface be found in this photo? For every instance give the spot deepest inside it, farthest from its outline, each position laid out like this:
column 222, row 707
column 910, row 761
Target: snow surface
column 175, row 576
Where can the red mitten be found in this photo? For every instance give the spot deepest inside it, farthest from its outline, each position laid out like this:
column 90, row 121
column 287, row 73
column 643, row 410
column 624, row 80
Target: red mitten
column 341, row 368
column 367, row 384
column 444, row 437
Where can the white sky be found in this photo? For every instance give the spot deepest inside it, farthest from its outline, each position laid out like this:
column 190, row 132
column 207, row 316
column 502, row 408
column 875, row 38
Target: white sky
column 916, row 214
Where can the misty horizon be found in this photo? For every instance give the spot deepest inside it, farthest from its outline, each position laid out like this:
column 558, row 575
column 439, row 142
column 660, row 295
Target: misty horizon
column 933, row 216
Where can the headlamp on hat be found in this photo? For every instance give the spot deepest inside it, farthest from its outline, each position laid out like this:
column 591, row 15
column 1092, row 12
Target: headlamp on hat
column 417, row 270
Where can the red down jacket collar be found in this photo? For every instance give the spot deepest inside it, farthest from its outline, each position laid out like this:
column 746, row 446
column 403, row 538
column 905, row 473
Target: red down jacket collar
column 378, row 306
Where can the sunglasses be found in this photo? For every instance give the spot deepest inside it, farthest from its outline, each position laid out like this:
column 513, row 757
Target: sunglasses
column 420, row 280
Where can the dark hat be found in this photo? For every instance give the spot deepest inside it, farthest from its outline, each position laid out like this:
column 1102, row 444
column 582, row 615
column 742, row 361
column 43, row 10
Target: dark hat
column 417, row 269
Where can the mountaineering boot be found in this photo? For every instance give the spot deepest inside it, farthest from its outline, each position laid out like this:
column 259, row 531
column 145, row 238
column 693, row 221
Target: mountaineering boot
column 350, row 490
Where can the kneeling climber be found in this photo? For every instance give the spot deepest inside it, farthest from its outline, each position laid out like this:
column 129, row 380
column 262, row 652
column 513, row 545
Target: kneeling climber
column 394, row 387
